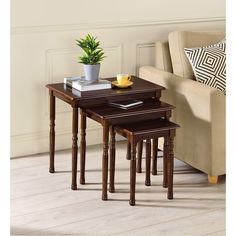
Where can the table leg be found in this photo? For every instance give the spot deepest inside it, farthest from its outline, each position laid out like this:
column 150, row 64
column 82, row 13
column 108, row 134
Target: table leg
column 148, row 162
column 82, row 146
column 165, row 157
column 154, row 156
column 128, row 151
column 170, row 168
column 112, row 159
column 132, row 173
column 105, row 160
column 52, row 133
column 140, row 152
column 74, row 147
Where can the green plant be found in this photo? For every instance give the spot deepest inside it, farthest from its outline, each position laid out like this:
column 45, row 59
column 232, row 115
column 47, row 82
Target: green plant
column 93, row 53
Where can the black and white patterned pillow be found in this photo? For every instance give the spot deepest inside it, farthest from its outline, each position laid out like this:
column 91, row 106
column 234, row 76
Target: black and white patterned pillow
column 209, row 64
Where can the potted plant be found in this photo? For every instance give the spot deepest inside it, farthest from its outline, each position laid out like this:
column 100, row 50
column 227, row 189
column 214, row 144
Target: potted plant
column 92, row 56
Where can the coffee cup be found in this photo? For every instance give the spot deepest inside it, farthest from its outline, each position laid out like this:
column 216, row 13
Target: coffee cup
column 123, row 79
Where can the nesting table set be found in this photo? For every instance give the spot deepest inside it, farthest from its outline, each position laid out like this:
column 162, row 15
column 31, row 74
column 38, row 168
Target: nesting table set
column 148, row 121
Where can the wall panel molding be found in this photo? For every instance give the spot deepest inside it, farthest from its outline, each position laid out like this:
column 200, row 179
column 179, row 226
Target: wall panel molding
column 38, row 142
column 114, row 50
column 139, row 48
column 50, row 54
column 104, row 25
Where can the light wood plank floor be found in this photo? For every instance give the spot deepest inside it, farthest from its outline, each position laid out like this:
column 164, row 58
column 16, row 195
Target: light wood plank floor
column 43, row 204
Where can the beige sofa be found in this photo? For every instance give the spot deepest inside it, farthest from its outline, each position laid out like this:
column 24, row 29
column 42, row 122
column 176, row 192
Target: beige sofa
column 200, row 109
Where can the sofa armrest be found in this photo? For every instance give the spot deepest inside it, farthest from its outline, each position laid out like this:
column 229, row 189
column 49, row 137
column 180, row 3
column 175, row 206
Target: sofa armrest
column 205, row 102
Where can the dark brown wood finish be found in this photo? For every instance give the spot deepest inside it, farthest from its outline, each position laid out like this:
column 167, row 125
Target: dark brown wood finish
column 112, row 159
column 141, row 89
column 128, row 153
column 106, row 115
column 148, row 162
column 154, row 156
column 105, row 159
column 170, row 164
column 139, row 158
column 82, row 145
column 52, row 133
column 154, row 151
column 151, row 108
column 165, row 157
column 132, row 172
column 150, row 129
column 74, row 147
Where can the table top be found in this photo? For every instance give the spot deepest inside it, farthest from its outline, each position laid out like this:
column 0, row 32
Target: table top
column 139, row 89
column 146, row 127
column 150, row 109
column 149, row 106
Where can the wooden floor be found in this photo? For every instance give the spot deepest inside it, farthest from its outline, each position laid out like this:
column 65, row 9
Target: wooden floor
column 43, row 204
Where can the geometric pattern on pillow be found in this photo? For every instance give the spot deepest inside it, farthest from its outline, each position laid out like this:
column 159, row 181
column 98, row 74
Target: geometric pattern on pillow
column 209, row 64
column 221, row 45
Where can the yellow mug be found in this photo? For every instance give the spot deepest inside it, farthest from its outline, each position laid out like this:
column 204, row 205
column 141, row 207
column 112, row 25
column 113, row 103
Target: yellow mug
column 123, row 79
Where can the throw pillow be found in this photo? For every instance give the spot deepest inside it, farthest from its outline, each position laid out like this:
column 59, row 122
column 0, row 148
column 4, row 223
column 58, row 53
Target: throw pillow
column 209, row 64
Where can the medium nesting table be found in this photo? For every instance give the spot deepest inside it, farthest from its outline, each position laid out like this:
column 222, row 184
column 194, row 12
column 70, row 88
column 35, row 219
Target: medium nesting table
column 110, row 116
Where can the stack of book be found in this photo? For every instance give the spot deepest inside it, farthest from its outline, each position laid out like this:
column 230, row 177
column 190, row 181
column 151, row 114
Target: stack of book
column 81, row 84
column 126, row 104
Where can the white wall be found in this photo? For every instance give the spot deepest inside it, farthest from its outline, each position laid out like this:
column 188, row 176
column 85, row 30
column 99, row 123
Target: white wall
column 44, row 51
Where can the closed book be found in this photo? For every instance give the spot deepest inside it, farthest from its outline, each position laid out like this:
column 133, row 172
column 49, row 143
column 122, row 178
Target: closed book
column 81, row 84
column 126, row 104
column 73, row 78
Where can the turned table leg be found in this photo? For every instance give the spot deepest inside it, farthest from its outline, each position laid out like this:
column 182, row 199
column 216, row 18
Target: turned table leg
column 132, row 173
column 170, row 168
column 52, row 133
column 148, row 162
column 112, row 159
column 165, row 157
column 140, row 152
column 154, row 156
column 105, row 160
column 82, row 146
column 128, row 153
column 74, row 147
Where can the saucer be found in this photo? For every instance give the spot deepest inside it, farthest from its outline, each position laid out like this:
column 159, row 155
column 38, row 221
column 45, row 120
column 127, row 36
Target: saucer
column 115, row 83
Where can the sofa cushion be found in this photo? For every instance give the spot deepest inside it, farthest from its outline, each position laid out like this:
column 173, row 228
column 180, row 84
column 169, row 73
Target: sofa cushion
column 209, row 64
column 178, row 40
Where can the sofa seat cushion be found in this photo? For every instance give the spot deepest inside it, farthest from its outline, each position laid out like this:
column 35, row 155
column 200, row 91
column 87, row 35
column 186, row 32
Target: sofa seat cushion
column 209, row 64
column 178, row 40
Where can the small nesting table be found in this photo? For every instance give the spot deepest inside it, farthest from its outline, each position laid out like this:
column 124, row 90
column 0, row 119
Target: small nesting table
column 147, row 130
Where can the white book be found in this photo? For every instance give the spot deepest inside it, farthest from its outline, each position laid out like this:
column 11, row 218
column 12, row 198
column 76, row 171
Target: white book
column 81, row 84
column 70, row 79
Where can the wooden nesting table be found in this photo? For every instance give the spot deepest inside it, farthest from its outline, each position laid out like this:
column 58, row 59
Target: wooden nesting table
column 109, row 116
column 147, row 130
column 141, row 89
